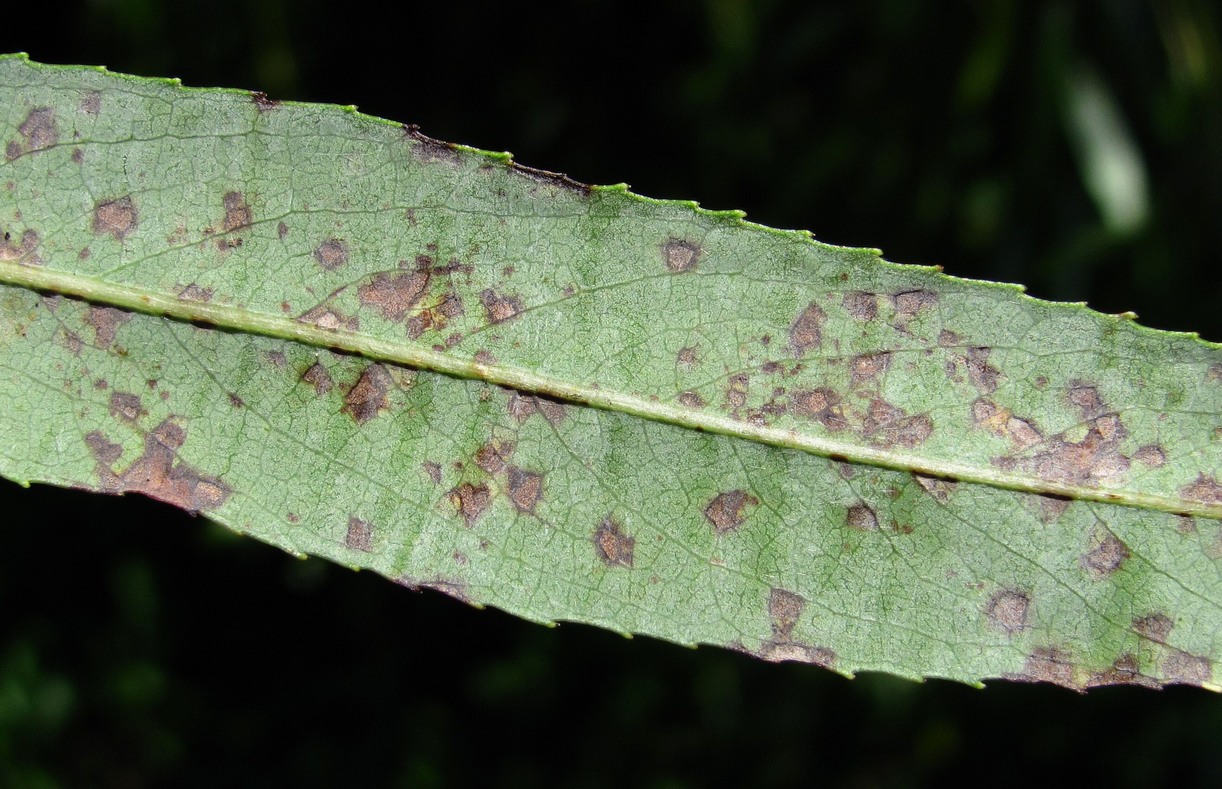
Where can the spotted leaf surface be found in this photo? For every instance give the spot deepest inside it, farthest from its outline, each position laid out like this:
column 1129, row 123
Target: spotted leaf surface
column 573, row 403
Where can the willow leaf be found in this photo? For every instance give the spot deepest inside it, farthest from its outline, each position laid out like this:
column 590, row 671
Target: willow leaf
column 349, row 340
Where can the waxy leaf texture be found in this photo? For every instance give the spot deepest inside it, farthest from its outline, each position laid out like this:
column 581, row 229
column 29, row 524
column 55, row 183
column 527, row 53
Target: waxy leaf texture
column 349, row 340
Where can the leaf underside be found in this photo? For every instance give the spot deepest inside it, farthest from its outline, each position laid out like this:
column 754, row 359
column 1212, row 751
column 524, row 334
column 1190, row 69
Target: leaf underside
column 349, row 340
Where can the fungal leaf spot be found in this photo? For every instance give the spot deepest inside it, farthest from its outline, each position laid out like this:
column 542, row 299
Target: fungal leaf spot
column 1007, row 611
column 360, row 535
column 394, row 294
column 158, row 473
column 116, row 218
column 237, row 213
column 1106, row 555
column 368, row 396
column 861, row 517
column 331, row 253
column 525, row 489
column 727, row 511
column 470, row 501
column 806, row 331
column 498, row 308
column 680, row 255
column 613, row 545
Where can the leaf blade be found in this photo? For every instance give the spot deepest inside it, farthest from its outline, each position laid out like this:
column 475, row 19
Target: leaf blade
column 737, row 531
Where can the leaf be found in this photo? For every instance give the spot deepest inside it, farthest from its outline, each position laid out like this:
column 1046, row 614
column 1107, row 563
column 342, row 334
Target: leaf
column 350, row 340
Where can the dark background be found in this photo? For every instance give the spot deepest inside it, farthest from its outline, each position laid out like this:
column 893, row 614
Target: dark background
column 139, row 646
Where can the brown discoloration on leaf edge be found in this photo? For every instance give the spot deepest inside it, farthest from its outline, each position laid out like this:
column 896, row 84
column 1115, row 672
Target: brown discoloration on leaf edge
column 158, row 473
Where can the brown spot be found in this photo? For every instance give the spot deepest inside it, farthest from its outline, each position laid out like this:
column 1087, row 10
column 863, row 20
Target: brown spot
column 91, row 102
column 736, row 391
column 806, row 332
column 282, row 230
column 262, row 101
column 106, row 322
column 493, row 456
column 869, row 366
column 1156, row 627
column 525, row 489
column 784, row 609
column 612, row 545
column 1096, row 456
column 1214, row 374
column 1180, row 667
column 470, row 501
column 237, row 213
column 980, row 373
column 1085, row 398
column 160, row 475
column 939, row 489
column 78, row 156
column 23, row 251
column 862, row 306
column 103, row 450
column 394, row 294
column 1051, row 507
column 331, row 253
column 522, row 407
column 39, row 130
column 194, row 292
column 726, row 510
column 433, row 470
column 116, row 217
column 691, row 399
column 500, row 308
column 1106, row 555
column 12, row 150
column 687, row 358
column 318, row 377
column 822, row 405
column 680, row 255
column 1002, row 422
column 359, row 536
column 861, row 517
column 891, row 426
column 236, row 401
column 126, row 406
column 277, row 358
column 1050, row 664
column 1151, row 455
column 324, row 317
column 368, row 396
column 909, row 303
column 1204, row 489
column 1007, row 611
column 947, row 338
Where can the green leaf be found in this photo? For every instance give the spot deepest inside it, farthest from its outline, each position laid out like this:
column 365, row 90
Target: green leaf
column 349, row 340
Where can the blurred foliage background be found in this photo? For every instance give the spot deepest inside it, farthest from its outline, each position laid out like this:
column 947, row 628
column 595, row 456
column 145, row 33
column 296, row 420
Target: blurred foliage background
column 1074, row 147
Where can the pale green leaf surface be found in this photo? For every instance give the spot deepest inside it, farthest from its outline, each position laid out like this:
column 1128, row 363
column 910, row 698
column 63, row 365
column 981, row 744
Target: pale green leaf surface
column 791, row 524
